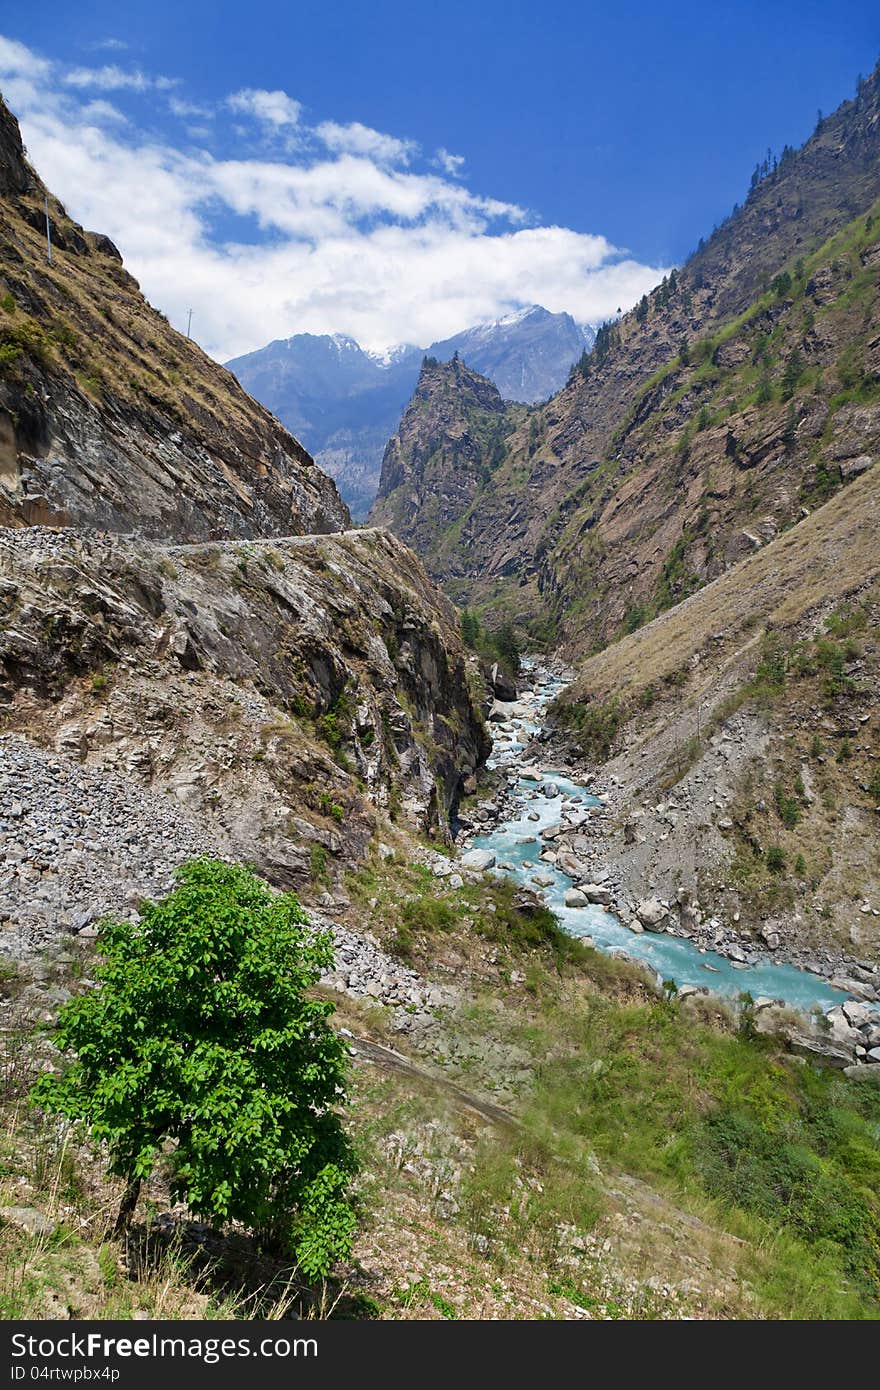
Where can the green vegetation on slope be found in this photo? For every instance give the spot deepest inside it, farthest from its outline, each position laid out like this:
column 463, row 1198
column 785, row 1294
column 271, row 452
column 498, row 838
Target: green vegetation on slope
column 199, row 1046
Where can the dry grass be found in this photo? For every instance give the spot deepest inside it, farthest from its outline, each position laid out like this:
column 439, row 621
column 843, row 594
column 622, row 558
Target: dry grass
column 825, row 558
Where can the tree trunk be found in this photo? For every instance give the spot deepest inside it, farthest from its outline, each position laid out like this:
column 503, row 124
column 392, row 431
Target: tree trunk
column 127, row 1206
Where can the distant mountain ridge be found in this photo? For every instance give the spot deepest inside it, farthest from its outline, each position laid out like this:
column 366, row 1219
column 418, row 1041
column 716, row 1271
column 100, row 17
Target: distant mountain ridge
column 344, row 402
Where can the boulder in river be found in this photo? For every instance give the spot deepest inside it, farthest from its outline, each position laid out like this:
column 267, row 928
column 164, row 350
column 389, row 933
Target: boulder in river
column 571, row 866
column 856, row 987
column 597, row 893
column 651, row 913
column 503, row 685
column 575, row 898
column 499, row 714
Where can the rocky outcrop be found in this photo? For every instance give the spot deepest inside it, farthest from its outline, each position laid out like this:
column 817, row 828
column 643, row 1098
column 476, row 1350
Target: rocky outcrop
column 289, row 694
column 108, row 416
column 451, row 435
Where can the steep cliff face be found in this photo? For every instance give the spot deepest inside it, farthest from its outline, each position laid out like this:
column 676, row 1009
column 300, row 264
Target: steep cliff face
column 737, row 440
column 597, row 472
column 108, row 417
column 201, row 627
column 450, row 438
column 289, row 693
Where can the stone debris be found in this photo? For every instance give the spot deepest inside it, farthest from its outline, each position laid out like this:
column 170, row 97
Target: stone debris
column 78, row 844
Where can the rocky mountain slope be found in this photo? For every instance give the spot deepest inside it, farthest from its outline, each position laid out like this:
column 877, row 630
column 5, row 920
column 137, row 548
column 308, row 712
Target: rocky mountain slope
column 704, row 419
column 295, row 693
column 738, row 736
column 110, row 418
column 293, row 696
column 345, row 403
column 451, row 434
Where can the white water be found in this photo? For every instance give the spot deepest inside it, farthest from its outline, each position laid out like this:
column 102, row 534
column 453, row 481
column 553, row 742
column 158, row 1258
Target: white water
column 671, row 957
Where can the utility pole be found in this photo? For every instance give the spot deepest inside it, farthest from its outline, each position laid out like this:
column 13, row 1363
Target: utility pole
column 48, row 233
column 189, row 324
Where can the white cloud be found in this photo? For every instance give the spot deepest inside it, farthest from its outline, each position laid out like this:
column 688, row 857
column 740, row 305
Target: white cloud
column 108, row 79
column 111, row 78
column 361, row 139
column 451, row 164
column 18, row 61
column 354, row 241
column 274, row 109
column 100, row 110
column 109, row 45
column 178, row 107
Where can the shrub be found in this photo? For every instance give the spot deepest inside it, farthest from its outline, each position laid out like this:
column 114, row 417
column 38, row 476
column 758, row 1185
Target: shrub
column 776, row 860
column 787, row 807
column 428, row 914
column 329, row 807
column 318, row 864
column 596, row 726
column 199, row 1045
column 764, row 1167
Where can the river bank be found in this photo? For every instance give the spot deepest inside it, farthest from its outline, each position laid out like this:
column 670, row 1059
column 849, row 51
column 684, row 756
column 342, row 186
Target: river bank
column 553, row 830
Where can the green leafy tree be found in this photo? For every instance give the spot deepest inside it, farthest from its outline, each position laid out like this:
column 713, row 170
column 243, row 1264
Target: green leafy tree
column 507, row 647
column 470, row 627
column 199, row 1046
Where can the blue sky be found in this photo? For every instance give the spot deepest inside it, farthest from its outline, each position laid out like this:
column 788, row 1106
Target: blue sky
column 400, row 170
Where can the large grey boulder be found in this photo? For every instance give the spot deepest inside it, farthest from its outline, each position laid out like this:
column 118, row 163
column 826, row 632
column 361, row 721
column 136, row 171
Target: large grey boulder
column 503, row 687
column 824, row 1053
column 857, row 1072
column 575, row 898
column 853, row 468
column 571, row 865
column 478, row 859
column 552, row 832
column 858, row 1014
column 597, row 893
column 651, row 913
column 840, row 1030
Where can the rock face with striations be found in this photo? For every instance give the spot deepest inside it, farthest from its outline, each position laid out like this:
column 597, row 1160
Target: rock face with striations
column 108, row 416
column 283, row 692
